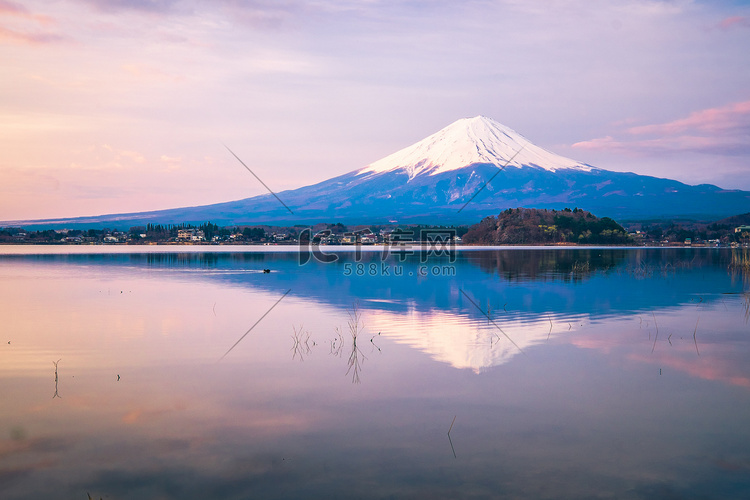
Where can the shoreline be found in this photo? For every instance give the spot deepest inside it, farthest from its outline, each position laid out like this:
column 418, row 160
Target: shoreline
column 103, row 249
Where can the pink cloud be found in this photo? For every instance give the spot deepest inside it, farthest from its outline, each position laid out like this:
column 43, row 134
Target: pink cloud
column 726, row 146
column 722, row 130
column 631, row 147
column 736, row 115
column 30, row 38
column 30, row 35
column 733, row 21
column 15, row 9
column 607, row 142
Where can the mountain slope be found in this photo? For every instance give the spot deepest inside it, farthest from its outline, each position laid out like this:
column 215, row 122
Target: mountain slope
column 473, row 168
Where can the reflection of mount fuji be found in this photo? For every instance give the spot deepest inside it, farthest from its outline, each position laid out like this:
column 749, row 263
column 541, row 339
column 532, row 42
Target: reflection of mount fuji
column 466, row 340
column 531, row 294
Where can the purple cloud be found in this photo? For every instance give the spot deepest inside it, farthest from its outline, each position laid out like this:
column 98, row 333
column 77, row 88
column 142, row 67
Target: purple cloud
column 137, row 5
column 7, row 7
column 717, row 131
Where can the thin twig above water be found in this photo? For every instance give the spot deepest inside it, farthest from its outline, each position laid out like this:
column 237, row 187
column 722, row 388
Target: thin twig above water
column 56, row 395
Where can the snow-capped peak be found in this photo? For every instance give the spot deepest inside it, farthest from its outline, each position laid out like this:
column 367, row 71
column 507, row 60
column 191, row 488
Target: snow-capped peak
column 468, row 141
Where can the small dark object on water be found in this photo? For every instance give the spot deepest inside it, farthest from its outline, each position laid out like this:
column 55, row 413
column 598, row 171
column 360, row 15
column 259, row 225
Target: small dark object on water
column 118, row 377
column 265, row 271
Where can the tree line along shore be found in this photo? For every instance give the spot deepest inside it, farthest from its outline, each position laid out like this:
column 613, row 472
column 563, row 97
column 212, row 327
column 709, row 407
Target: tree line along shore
column 514, row 226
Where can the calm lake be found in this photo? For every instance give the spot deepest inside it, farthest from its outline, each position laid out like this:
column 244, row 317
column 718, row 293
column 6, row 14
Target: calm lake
column 186, row 372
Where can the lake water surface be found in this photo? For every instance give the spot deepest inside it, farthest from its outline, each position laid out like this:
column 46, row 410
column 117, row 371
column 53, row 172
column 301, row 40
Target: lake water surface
column 190, row 373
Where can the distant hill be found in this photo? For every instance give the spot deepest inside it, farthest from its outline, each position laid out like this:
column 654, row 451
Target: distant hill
column 530, row 226
column 736, row 220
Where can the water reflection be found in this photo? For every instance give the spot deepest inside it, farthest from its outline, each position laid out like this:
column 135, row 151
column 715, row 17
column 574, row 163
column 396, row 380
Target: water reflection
column 356, row 356
column 634, row 382
column 303, row 343
column 489, row 319
column 531, row 295
column 301, row 346
column 544, row 265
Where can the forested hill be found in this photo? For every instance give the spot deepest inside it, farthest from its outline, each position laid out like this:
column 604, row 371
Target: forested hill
column 531, row 226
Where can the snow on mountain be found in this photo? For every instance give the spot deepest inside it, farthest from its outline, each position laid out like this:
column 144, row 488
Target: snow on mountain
column 469, row 141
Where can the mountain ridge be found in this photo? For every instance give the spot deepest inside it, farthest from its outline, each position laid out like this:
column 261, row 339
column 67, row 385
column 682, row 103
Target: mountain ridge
column 472, row 168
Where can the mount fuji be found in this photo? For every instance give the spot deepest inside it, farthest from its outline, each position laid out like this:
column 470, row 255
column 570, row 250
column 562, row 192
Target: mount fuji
column 473, row 168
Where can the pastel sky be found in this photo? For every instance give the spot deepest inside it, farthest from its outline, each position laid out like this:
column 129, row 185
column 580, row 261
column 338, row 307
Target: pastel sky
column 112, row 106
